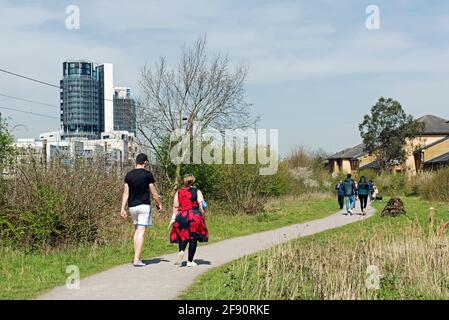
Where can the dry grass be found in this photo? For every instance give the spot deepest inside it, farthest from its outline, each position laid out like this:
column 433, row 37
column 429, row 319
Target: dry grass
column 413, row 264
column 381, row 258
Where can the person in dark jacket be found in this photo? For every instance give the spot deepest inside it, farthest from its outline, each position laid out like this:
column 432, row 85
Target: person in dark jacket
column 350, row 191
column 340, row 194
column 371, row 189
column 363, row 191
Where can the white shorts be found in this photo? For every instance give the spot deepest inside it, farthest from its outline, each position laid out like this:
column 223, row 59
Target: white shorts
column 141, row 215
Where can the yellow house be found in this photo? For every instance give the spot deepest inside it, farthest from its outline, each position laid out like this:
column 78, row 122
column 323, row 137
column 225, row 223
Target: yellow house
column 428, row 151
column 351, row 160
column 433, row 156
column 435, row 131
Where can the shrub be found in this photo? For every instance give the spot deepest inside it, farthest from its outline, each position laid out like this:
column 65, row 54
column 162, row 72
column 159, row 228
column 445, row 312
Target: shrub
column 6, row 147
column 243, row 188
column 391, row 184
column 61, row 205
column 307, row 172
column 436, row 186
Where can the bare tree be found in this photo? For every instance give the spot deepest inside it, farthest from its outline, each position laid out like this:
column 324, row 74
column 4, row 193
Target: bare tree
column 198, row 89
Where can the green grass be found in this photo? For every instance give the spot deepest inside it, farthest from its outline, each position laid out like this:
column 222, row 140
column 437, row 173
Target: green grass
column 241, row 278
column 25, row 276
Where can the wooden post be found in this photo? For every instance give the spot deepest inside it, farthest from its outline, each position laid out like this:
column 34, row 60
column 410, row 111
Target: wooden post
column 431, row 219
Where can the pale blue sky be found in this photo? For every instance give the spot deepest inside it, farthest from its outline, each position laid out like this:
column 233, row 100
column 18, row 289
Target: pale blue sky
column 314, row 67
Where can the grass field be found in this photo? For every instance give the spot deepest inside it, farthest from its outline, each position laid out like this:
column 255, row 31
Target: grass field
column 24, row 276
column 380, row 258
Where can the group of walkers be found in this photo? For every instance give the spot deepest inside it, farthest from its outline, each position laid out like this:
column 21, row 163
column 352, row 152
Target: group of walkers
column 187, row 225
column 349, row 191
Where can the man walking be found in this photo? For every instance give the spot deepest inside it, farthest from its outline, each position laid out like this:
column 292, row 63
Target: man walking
column 139, row 182
column 350, row 193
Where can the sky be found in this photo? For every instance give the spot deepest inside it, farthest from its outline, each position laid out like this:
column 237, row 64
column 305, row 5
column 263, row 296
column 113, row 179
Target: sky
column 314, row 67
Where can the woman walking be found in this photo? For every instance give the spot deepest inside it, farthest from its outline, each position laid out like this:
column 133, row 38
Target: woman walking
column 363, row 191
column 340, row 193
column 188, row 224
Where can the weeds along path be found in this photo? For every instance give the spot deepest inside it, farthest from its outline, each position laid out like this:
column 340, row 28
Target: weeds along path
column 161, row 279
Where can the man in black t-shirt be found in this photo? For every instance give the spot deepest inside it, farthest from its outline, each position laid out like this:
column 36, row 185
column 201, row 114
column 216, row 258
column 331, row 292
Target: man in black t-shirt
column 139, row 183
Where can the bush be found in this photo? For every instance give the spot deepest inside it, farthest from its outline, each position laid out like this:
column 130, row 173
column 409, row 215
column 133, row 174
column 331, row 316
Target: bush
column 61, row 205
column 435, row 187
column 306, row 170
column 243, row 188
column 6, row 147
column 391, row 184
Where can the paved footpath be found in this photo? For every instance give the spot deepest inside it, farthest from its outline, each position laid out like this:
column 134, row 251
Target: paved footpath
column 162, row 280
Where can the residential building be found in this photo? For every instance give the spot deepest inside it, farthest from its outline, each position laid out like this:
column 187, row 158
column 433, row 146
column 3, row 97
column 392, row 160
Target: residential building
column 124, row 110
column 98, row 120
column 51, row 136
column 105, row 78
column 80, row 113
column 115, row 147
column 429, row 150
column 90, row 104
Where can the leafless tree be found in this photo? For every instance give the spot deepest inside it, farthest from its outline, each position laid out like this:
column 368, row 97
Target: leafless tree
column 198, row 89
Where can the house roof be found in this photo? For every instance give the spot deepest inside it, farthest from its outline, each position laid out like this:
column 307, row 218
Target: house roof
column 350, row 153
column 434, row 125
column 371, row 165
column 444, row 158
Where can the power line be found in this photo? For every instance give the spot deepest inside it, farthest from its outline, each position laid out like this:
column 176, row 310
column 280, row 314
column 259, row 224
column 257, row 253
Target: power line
column 28, row 78
column 29, row 112
column 39, row 81
column 28, row 100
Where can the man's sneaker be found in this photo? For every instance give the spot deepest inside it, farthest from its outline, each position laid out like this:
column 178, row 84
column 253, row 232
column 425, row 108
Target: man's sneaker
column 179, row 258
column 191, row 264
column 350, row 212
column 139, row 264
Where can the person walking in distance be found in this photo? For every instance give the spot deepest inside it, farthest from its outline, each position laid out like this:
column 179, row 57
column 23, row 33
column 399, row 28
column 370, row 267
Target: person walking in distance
column 371, row 189
column 188, row 223
column 363, row 192
column 340, row 194
column 350, row 193
column 139, row 183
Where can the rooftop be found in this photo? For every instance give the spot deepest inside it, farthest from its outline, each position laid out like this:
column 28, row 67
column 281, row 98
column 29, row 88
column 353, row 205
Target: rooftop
column 434, row 125
column 351, row 153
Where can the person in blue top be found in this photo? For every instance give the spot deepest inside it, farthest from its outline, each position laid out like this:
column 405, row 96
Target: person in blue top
column 371, row 189
column 363, row 191
column 340, row 193
column 350, row 191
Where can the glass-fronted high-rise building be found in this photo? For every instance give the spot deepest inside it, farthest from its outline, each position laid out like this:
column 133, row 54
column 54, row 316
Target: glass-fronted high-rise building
column 90, row 104
column 80, row 115
column 124, row 110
